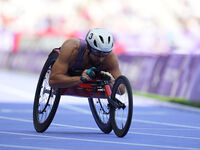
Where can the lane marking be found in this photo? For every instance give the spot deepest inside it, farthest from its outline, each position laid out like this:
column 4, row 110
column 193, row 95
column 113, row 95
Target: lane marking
column 158, row 113
column 170, row 104
column 27, row 96
column 135, row 128
column 164, row 135
column 6, row 110
column 84, row 111
column 140, row 133
column 100, row 141
column 77, row 109
column 81, row 110
column 151, row 134
column 77, row 127
column 14, row 111
column 20, row 93
column 97, row 129
column 16, row 119
column 71, row 107
column 28, row 147
column 166, row 124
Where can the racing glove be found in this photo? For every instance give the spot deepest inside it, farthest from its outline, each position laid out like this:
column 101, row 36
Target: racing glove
column 107, row 76
column 91, row 73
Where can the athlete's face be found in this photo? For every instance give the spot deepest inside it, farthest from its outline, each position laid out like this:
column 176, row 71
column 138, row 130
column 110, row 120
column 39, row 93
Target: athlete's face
column 96, row 60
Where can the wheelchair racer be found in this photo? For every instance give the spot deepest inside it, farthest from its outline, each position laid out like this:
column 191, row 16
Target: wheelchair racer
column 77, row 57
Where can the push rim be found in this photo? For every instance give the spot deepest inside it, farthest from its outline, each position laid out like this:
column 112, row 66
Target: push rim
column 46, row 99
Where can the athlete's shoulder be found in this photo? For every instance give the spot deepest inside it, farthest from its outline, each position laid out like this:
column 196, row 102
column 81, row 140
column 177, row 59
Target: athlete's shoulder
column 71, row 44
column 69, row 50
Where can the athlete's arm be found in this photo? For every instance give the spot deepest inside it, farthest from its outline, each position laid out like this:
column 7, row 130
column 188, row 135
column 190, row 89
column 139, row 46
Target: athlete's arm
column 59, row 77
column 113, row 68
column 112, row 65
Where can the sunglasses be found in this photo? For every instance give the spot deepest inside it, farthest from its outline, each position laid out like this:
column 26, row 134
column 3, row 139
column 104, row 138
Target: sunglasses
column 99, row 53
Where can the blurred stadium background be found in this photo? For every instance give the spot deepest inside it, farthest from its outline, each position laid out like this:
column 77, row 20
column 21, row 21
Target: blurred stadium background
column 157, row 41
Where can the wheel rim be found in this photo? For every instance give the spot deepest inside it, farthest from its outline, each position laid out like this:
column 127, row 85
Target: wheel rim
column 46, row 98
column 121, row 114
column 102, row 109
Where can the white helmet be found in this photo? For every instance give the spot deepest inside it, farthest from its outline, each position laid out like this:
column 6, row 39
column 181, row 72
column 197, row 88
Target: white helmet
column 100, row 39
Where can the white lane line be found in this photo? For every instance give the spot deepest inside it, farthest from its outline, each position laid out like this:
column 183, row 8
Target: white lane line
column 169, row 104
column 28, row 147
column 25, row 111
column 29, row 96
column 17, row 92
column 100, row 141
column 77, row 127
column 135, row 128
column 81, row 110
column 163, row 135
column 6, row 110
column 166, row 124
column 140, row 133
column 72, row 107
column 96, row 129
column 159, row 113
column 77, row 109
column 15, row 119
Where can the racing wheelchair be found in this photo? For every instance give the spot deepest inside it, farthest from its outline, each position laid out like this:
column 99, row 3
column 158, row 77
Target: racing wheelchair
column 111, row 107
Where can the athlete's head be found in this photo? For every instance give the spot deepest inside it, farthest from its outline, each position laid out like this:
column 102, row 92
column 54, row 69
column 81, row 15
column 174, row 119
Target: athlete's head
column 100, row 42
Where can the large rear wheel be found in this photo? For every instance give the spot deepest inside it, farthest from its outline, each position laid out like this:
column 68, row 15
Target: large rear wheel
column 46, row 99
column 101, row 112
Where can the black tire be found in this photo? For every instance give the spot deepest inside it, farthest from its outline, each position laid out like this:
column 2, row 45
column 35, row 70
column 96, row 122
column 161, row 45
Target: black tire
column 45, row 96
column 101, row 113
column 126, row 98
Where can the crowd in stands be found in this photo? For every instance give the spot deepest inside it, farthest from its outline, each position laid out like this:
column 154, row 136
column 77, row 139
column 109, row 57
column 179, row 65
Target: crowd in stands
column 144, row 27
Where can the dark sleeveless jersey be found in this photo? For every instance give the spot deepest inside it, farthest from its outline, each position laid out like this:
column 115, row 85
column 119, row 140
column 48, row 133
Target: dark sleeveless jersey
column 76, row 69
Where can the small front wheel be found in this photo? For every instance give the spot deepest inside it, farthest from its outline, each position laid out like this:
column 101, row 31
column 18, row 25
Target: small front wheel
column 122, row 116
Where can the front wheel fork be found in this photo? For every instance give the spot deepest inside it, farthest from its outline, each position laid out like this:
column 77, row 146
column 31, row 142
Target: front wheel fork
column 116, row 103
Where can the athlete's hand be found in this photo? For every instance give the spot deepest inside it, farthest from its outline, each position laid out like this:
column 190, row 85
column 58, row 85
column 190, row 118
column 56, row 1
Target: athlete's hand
column 108, row 74
column 112, row 79
column 88, row 74
column 84, row 77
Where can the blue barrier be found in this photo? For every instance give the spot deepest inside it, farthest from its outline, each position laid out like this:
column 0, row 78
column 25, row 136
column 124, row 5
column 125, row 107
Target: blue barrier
column 171, row 75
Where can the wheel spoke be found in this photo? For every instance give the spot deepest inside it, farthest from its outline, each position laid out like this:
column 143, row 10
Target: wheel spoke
column 46, row 99
column 121, row 113
column 101, row 106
